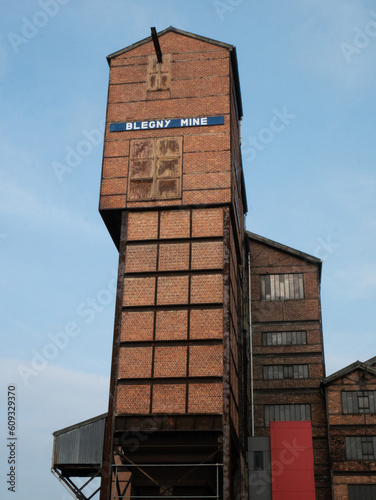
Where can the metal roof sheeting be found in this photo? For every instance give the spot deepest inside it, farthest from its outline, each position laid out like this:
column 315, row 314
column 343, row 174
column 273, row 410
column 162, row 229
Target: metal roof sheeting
column 80, row 444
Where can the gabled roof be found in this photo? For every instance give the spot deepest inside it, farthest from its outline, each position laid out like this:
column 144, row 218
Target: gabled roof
column 371, row 361
column 357, row 365
column 284, row 248
column 80, row 424
column 171, row 29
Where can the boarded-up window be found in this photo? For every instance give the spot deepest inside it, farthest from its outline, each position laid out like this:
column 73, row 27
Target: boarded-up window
column 282, row 286
column 360, row 447
column 284, row 413
column 358, row 402
column 159, row 74
column 155, row 169
column 284, row 338
column 362, row 491
column 272, row 372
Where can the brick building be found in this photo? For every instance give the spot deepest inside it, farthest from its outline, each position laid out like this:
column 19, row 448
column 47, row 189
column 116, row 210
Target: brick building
column 197, row 409
column 173, row 199
column 351, row 408
column 287, row 351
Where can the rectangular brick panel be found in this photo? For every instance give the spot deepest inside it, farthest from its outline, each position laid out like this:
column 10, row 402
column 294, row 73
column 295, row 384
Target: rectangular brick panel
column 139, row 291
column 137, row 326
column 115, row 167
column 170, row 361
column 295, row 310
column 196, row 181
column 112, row 201
column 116, row 148
column 142, row 226
column 207, row 255
column 207, row 288
column 140, row 258
column 169, row 398
column 132, row 399
column 206, row 142
column 211, row 162
column 114, row 186
column 205, row 398
column 206, row 361
column 171, row 325
column 172, row 290
column 173, row 257
column 135, row 362
column 206, row 323
column 214, row 196
column 175, row 224
column 207, row 222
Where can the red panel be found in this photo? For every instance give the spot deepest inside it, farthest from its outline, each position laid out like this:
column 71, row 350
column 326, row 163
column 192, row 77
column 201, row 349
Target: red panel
column 292, row 461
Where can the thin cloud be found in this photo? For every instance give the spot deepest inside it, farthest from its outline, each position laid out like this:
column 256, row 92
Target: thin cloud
column 328, row 26
column 19, row 202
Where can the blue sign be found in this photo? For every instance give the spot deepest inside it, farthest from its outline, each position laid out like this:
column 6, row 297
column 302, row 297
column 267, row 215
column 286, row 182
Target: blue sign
column 174, row 123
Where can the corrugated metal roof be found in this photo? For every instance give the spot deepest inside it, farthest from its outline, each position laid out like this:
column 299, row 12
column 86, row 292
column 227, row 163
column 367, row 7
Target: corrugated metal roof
column 80, row 444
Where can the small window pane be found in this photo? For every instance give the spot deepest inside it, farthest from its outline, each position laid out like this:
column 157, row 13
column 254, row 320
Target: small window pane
column 363, row 402
column 258, row 460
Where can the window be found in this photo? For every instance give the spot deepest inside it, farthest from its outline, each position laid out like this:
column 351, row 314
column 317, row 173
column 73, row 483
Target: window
column 360, row 447
column 282, row 286
column 362, row 491
column 271, row 372
column 258, row 460
column 155, row 169
column 159, row 74
column 358, row 402
column 284, row 338
column 284, row 413
column 363, row 404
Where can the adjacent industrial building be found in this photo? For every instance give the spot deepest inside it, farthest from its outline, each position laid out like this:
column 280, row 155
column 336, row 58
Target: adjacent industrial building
column 218, row 385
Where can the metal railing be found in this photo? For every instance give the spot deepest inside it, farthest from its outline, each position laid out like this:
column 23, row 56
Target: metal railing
column 141, row 467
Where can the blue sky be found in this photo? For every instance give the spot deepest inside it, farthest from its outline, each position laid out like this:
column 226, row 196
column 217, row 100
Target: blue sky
column 310, row 185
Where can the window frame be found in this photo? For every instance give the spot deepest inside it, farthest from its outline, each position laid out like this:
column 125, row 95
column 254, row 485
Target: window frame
column 282, row 286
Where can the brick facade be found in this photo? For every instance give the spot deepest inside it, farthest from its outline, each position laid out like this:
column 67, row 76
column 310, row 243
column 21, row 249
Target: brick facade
column 349, row 421
column 289, row 315
column 174, row 206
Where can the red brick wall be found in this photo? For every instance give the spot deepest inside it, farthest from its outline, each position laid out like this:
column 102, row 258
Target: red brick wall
column 284, row 316
column 200, row 86
column 341, row 425
column 172, row 311
column 179, row 309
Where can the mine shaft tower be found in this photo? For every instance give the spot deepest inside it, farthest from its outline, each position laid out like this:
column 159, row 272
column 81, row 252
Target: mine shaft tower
column 173, row 199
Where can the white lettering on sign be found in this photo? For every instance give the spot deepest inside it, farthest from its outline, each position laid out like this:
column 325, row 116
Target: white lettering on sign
column 172, row 123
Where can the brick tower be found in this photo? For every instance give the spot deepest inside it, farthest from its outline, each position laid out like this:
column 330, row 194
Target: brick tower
column 173, row 200
column 288, row 367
